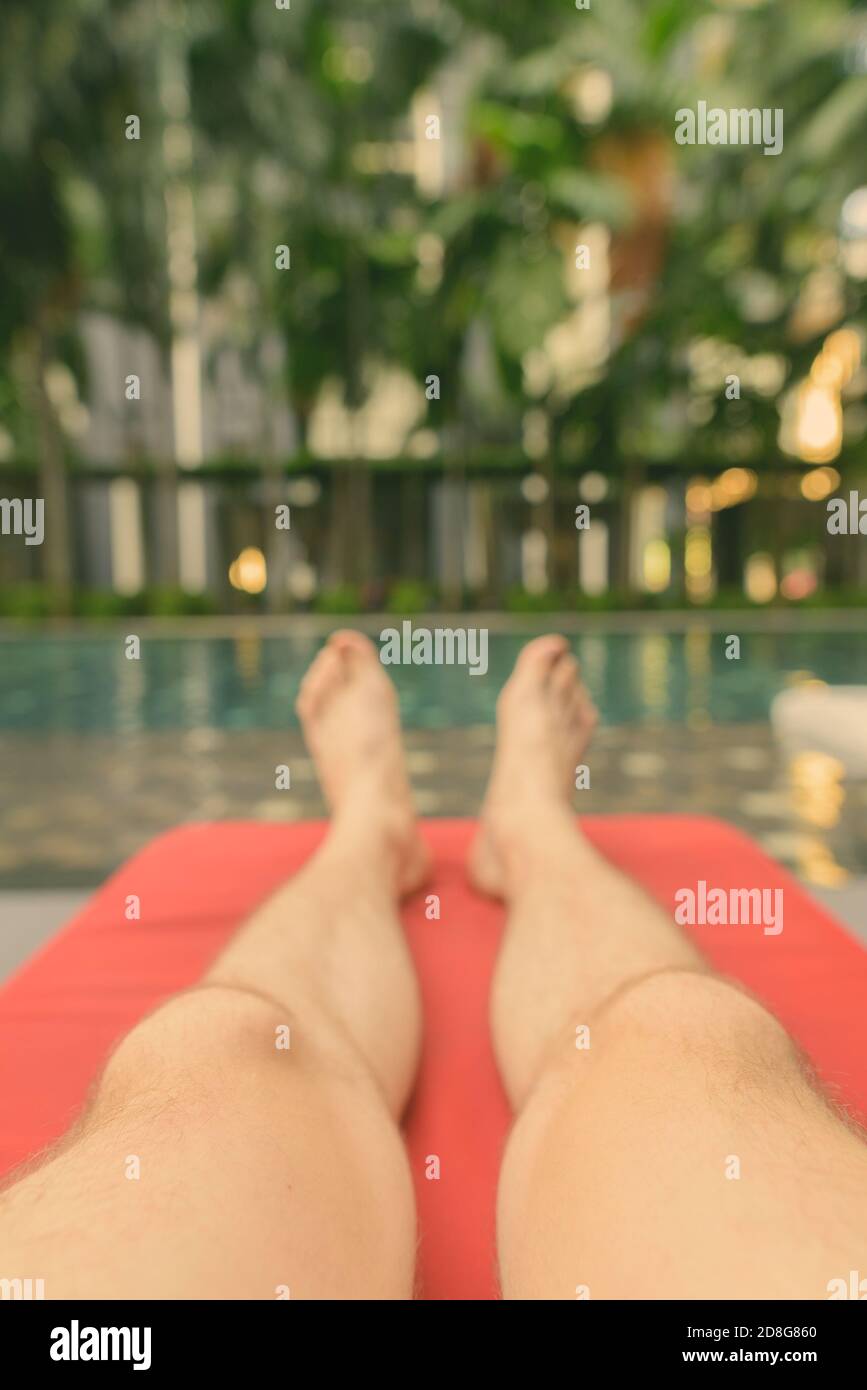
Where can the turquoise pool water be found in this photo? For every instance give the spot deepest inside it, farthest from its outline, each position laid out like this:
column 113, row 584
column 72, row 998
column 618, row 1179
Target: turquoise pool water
column 88, row 685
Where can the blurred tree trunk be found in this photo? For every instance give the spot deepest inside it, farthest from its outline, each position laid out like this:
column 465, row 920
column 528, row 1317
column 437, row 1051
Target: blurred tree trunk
column 413, row 542
column 358, row 503
column 358, row 545
column 677, row 545
column 778, row 530
column 454, row 485
column 491, row 593
column 278, row 542
column 339, row 565
column 165, row 548
column 644, row 159
column 632, row 479
column 546, row 518
column 32, row 359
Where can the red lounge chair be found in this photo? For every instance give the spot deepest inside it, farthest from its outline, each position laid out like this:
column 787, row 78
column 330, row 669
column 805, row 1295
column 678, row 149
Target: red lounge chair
column 61, row 1013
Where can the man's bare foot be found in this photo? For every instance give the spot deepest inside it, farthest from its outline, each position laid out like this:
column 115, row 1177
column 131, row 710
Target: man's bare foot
column 545, row 719
column 348, row 711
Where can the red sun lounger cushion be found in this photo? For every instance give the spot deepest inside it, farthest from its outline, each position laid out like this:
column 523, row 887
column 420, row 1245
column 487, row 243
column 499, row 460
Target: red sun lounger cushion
column 61, row 1013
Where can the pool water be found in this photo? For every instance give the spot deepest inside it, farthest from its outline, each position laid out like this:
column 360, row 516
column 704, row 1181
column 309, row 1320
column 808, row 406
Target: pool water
column 250, row 682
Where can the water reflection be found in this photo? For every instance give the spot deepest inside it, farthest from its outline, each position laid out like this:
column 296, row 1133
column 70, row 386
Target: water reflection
column 697, row 644
column 248, row 657
column 130, row 685
column 251, row 681
column 655, row 667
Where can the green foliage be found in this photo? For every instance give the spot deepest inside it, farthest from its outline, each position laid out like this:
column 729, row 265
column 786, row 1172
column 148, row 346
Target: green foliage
column 105, row 603
column 408, row 596
column 346, row 598
column 169, row 602
column 300, row 126
column 518, row 600
column 32, row 601
column 26, row 601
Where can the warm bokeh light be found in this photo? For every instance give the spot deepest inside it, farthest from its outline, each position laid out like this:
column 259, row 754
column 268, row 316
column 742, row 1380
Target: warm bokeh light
column 840, row 356
column 591, row 92
column 817, row 782
column 853, row 214
column 301, row 581
column 828, row 371
column 534, row 489
column 657, row 566
column 699, row 497
column 249, row 572
column 799, row 584
column 819, row 426
column 812, row 416
column 819, row 484
column 698, row 563
column 853, row 231
column 734, row 486
column 760, row 578
column 593, row 487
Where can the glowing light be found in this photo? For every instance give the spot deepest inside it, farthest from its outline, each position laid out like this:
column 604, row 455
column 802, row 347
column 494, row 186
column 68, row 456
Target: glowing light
column 534, row 488
column 760, row 578
column 813, row 416
column 845, row 346
column 817, row 783
column 592, row 95
column 424, row 444
column 819, row 483
column 853, row 254
column 301, row 581
column 249, row 572
column 657, row 566
column 699, row 497
column 828, row 372
column 819, row 426
column 767, row 373
column 838, row 361
column 853, row 214
column 698, row 562
column 732, row 487
column 799, row 584
column 593, row 487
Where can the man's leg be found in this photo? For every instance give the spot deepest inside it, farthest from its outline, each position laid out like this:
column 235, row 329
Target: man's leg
column 265, row 1170
column 686, row 1151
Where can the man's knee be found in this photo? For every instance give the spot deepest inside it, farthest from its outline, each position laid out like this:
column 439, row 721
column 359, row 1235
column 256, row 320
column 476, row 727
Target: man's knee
column 219, row 1046
column 697, row 1013
column 194, row 1043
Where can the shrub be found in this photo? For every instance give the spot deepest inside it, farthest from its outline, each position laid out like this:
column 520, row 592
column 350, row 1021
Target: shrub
column 26, row 601
column 346, row 598
column 104, row 603
column 410, row 596
column 170, row 602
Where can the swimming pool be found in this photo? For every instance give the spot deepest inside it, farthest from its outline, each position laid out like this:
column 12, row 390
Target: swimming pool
column 87, row 685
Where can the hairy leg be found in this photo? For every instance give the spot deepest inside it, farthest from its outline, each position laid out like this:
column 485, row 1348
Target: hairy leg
column 243, row 1139
column 685, row 1152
